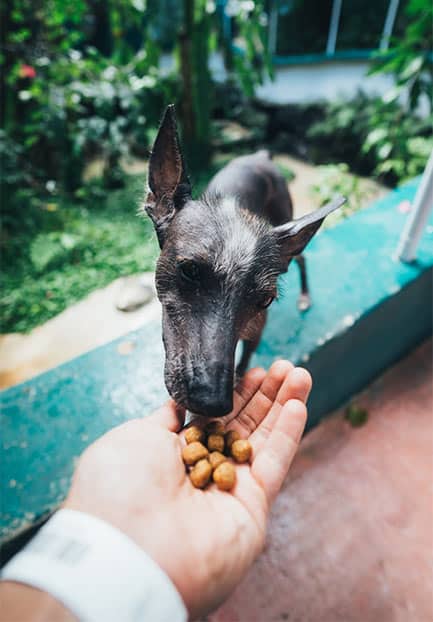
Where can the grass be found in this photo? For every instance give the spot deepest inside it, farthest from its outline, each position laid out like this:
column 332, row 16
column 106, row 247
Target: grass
column 70, row 250
column 61, row 251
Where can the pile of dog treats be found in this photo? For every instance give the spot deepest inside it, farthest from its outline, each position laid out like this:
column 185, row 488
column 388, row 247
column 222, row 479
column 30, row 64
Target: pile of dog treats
column 207, row 455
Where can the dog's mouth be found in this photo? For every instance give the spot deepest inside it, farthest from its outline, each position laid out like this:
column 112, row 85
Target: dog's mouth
column 213, row 399
column 211, row 408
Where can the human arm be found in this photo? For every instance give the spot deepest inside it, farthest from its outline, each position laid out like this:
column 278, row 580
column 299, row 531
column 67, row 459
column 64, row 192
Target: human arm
column 133, row 478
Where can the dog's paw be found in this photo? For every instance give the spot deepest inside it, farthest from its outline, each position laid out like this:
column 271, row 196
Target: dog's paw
column 304, row 302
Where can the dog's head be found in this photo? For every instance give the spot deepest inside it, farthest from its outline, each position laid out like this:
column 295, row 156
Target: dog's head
column 216, row 275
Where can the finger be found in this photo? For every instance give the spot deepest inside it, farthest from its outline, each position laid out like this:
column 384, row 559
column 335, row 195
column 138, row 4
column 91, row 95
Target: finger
column 246, row 388
column 243, row 392
column 261, row 402
column 170, row 416
column 272, row 462
column 297, row 385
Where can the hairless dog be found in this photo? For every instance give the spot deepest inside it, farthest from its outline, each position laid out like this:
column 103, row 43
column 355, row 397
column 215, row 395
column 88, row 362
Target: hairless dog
column 220, row 259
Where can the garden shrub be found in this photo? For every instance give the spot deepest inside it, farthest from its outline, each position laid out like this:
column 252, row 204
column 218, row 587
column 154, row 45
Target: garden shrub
column 375, row 136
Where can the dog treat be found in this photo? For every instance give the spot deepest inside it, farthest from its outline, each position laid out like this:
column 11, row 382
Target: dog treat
column 201, row 473
column 194, row 434
column 230, row 437
column 215, row 427
column 213, row 462
column 216, row 458
column 241, row 451
column 224, row 476
column 215, row 442
column 194, row 452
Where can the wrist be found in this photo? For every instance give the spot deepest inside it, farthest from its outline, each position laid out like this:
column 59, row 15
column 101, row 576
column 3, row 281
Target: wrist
column 23, row 603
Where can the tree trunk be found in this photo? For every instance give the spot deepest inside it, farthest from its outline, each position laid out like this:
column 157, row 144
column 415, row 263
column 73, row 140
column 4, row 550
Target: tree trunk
column 195, row 105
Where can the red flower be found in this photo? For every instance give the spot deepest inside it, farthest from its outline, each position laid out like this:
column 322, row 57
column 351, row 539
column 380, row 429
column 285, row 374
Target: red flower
column 27, row 71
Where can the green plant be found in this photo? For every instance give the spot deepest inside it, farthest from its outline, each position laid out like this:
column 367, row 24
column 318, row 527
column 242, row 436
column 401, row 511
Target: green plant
column 253, row 62
column 337, row 135
column 409, row 57
column 356, row 416
column 400, row 139
column 389, row 136
column 75, row 249
column 336, row 179
column 381, row 138
column 400, row 143
column 48, row 250
column 199, row 35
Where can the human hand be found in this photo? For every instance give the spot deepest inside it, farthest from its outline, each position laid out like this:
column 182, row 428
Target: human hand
column 205, row 540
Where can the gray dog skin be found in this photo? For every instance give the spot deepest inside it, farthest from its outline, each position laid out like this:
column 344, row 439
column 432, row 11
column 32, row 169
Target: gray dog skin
column 220, row 259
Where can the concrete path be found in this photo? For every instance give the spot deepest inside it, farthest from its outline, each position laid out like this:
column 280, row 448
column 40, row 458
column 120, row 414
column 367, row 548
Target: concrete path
column 351, row 534
column 85, row 325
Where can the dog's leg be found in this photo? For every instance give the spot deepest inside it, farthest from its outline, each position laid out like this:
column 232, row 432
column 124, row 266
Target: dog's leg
column 248, row 348
column 250, row 341
column 304, row 300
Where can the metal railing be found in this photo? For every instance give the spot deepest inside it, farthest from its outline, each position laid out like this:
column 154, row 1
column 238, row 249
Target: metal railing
column 417, row 220
column 334, row 24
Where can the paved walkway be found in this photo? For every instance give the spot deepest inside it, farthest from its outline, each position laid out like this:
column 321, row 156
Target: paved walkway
column 351, row 535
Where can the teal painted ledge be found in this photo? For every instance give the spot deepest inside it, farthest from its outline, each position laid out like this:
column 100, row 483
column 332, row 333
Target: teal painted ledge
column 368, row 310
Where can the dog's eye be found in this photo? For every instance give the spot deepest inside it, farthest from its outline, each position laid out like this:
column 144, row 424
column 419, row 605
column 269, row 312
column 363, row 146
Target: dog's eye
column 189, row 271
column 266, row 301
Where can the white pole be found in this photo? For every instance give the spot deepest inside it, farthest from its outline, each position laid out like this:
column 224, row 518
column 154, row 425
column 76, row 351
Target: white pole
column 333, row 27
column 417, row 220
column 389, row 24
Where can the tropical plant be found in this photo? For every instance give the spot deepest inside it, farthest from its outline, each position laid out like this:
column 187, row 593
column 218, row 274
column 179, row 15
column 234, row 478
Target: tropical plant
column 335, row 179
column 409, row 58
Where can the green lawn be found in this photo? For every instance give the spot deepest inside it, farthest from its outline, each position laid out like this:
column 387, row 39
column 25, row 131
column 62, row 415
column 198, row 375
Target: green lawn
column 70, row 251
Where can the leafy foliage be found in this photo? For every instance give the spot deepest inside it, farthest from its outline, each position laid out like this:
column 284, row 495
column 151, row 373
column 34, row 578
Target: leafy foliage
column 253, row 61
column 84, row 79
column 376, row 136
column 409, row 57
column 401, row 144
column 400, row 139
column 77, row 249
column 356, row 416
column 389, row 136
column 335, row 179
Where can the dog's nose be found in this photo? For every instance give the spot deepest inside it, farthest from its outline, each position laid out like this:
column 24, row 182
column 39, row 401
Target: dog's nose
column 209, row 407
column 210, row 392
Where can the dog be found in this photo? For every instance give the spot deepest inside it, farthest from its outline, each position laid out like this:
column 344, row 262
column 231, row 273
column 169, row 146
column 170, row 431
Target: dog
column 220, row 259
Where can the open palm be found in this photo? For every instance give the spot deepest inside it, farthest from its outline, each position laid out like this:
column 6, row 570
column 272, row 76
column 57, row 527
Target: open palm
column 205, row 540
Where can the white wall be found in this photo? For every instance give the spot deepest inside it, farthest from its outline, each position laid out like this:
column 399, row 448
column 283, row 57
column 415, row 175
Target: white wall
column 313, row 82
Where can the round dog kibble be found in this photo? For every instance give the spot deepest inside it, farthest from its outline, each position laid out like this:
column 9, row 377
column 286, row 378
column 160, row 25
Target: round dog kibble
column 230, row 437
column 216, row 458
column 215, row 427
column 194, row 452
column 201, row 473
column 224, row 476
column 215, row 442
column 241, row 451
column 194, row 434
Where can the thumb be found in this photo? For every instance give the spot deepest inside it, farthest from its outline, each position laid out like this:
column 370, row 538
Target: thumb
column 170, row 416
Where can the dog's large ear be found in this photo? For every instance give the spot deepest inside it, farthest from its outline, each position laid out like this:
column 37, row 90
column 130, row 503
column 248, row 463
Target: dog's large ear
column 294, row 236
column 169, row 187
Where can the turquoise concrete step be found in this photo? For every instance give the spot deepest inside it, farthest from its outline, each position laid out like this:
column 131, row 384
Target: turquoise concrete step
column 368, row 310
